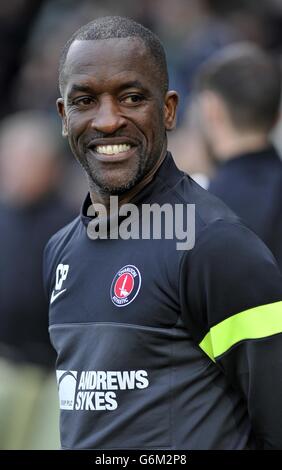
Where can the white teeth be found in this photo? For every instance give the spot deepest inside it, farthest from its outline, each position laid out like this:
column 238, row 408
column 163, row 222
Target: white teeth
column 112, row 149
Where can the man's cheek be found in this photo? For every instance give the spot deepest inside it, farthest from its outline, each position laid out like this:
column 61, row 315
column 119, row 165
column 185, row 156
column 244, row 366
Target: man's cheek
column 74, row 144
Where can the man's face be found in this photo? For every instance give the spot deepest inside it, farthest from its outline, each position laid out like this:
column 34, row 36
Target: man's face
column 114, row 111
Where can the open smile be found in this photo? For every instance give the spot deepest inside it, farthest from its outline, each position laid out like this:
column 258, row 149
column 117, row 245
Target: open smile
column 112, row 149
column 117, row 151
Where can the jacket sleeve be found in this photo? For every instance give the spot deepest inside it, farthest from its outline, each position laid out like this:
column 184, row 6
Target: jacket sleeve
column 231, row 299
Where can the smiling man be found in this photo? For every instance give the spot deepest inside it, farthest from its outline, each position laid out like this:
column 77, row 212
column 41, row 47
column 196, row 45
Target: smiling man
column 157, row 348
column 116, row 108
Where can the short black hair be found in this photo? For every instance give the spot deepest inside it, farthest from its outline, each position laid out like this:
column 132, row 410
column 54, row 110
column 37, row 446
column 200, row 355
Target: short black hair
column 109, row 27
column 249, row 81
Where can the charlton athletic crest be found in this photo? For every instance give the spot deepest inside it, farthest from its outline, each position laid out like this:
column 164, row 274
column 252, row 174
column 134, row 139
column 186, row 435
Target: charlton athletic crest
column 125, row 286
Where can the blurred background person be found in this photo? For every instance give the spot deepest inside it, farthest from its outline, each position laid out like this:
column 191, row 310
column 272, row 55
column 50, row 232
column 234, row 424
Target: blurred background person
column 192, row 151
column 30, row 212
column 239, row 92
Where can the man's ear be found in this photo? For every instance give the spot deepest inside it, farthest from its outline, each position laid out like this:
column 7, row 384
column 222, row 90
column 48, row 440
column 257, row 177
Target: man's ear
column 171, row 102
column 61, row 110
column 213, row 108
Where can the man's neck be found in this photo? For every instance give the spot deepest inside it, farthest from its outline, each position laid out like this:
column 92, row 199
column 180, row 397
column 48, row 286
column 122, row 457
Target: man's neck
column 233, row 147
column 97, row 197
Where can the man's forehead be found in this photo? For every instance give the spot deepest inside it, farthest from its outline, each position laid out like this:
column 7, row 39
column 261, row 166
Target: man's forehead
column 105, row 51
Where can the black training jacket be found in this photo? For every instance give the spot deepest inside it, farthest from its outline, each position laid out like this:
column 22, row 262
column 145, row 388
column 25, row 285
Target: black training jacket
column 164, row 348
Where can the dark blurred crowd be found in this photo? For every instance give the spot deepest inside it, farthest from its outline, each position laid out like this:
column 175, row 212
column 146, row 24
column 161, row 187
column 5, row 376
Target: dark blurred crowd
column 33, row 32
column 41, row 186
column 191, row 31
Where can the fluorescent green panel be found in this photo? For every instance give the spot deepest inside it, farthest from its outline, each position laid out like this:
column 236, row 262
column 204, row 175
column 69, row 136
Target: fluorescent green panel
column 258, row 322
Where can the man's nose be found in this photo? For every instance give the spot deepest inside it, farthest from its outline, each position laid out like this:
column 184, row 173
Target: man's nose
column 107, row 118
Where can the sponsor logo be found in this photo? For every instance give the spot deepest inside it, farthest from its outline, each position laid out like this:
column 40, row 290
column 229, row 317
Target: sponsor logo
column 66, row 380
column 125, row 286
column 95, row 390
column 61, row 275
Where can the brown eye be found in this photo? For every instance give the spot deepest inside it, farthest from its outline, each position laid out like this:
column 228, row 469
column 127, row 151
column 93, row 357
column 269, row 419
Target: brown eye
column 84, row 101
column 132, row 99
